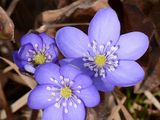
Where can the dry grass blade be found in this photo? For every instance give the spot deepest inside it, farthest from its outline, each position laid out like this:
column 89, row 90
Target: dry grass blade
column 34, row 114
column 125, row 112
column 154, row 101
column 5, row 104
column 116, row 109
column 15, row 78
column 16, row 105
column 28, row 80
column 7, row 69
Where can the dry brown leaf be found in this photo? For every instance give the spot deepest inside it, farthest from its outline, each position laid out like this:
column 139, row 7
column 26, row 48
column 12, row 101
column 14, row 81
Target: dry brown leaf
column 153, row 79
column 53, row 16
column 135, row 20
column 6, row 26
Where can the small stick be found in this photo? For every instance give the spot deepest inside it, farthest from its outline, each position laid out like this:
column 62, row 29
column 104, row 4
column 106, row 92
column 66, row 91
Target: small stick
column 12, row 7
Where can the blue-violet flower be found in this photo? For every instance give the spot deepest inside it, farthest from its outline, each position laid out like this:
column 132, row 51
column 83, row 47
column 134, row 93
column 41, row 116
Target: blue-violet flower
column 104, row 54
column 35, row 49
column 63, row 92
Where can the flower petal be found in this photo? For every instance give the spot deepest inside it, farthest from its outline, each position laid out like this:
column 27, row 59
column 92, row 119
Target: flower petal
column 77, row 113
column 72, row 42
column 46, row 71
column 69, row 71
column 20, row 63
column 79, row 63
column 53, row 113
column 82, row 80
column 132, row 45
column 89, row 96
column 103, row 85
column 29, row 68
column 38, row 98
column 24, row 51
column 127, row 74
column 65, row 61
column 33, row 39
column 104, row 26
column 46, row 39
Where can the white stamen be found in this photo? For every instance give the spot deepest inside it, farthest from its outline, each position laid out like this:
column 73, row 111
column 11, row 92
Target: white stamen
column 57, row 105
column 49, row 57
column 71, row 83
column 75, row 105
column 47, row 47
column 66, row 110
column 64, row 104
column 53, row 93
column 29, row 59
column 78, row 91
column 66, row 79
column 48, row 88
column 36, row 46
column 52, row 79
column 62, row 82
column 70, row 103
column 61, row 77
column 79, row 87
column 57, row 99
column 109, row 43
column 79, row 101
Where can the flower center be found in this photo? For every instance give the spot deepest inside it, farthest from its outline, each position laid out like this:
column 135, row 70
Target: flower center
column 39, row 58
column 100, row 60
column 66, row 92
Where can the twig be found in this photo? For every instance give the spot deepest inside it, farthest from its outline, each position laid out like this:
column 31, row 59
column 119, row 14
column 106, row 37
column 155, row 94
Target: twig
column 12, row 7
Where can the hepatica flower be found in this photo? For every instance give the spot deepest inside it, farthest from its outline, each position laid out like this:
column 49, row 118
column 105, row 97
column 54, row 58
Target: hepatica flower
column 104, row 54
column 63, row 92
column 35, row 49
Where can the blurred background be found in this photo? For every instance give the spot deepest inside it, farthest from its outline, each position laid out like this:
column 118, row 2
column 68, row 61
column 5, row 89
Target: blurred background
column 18, row 17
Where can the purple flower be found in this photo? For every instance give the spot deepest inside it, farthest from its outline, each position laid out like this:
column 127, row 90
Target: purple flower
column 104, row 54
column 35, row 50
column 63, row 92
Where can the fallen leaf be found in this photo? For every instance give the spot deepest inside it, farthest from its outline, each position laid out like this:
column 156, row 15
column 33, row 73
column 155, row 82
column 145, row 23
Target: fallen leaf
column 6, row 26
